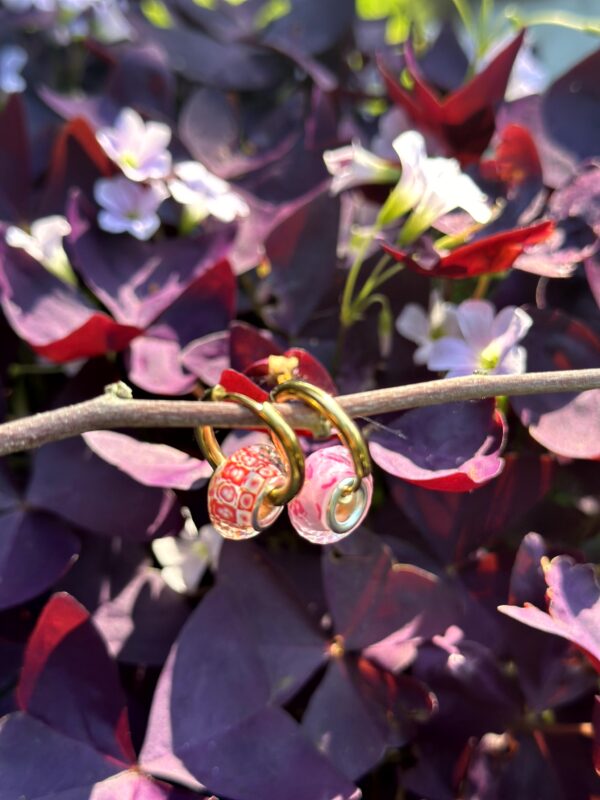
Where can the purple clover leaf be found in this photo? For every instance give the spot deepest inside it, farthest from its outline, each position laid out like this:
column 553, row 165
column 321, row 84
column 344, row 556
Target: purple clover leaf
column 71, row 735
column 573, row 597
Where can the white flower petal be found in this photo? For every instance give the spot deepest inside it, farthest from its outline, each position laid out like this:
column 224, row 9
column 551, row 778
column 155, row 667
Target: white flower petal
column 413, row 324
column 106, row 194
column 112, row 223
column 510, row 326
column 354, row 165
column 145, row 227
column 453, row 355
column 156, row 139
column 475, row 319
column 170, row 551
column 513, row 362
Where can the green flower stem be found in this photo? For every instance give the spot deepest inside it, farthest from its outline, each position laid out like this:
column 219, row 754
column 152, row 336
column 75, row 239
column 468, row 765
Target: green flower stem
column 348, row 311
column 389, row 273
column 481, row 287
column 562, row 19
column 372, row 281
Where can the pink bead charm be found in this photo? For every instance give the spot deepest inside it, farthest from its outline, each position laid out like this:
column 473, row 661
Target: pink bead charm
column 322, row 512
column 238, row 502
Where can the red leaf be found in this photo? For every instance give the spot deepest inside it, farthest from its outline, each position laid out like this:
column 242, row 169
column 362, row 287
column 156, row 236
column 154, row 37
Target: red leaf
column 517, row 158
column 77, row 161
column 61, row 616
column 464, row 119
column 495, row 253
column 98, row 335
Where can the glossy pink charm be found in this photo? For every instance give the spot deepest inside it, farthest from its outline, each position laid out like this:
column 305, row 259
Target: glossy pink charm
column 238, row 501
column 324, row 511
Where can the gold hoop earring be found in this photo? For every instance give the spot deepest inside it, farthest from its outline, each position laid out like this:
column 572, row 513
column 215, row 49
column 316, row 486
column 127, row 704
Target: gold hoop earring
column 338, row 489
column 248, row 490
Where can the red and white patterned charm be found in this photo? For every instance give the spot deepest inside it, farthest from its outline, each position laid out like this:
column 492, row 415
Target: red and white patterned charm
column 238, row 503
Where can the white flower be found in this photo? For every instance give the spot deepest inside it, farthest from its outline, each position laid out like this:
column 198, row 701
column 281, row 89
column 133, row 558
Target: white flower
column 12, row 61
column 205, row 193
column 489, row 342
column 528, row 76
column 109, row 22
column 184, row 559
column 44, row 243
column 129, row 207
column 429, row 187
column 424, row 328
column 139, row 149
column 354, row 166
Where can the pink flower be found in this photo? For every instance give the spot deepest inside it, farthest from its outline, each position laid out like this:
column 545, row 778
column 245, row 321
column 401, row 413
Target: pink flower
column 489, row 342
column 138, row 148
column 129, row 207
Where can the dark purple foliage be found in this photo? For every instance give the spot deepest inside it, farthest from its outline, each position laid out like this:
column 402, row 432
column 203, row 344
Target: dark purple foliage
column 450, row 647
column 417, row 447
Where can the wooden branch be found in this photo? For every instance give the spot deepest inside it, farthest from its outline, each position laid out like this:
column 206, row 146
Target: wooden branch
column 117, row 409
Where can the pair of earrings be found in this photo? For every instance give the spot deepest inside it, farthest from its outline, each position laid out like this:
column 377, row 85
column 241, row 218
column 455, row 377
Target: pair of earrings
column 328, row 494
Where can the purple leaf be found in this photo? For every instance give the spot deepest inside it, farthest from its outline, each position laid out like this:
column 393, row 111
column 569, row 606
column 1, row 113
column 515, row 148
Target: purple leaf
column 15, row 166
column 370, row 596
column 209, row 721
column 138, row 281
column 155, row 365
column 566, row 423
column 77, row 162
column 592, row 271
column 290, row 647
column 358, row 711
column 571, row 108
column 207, row 305
column 302, row 254
column 580, row 197
column 527, row 578
column 72, row 482
column 211, row 126
column 53, row 318
column 224, row 65
column 155, row 465
column 573, row 606
column 69, row 683
column 207, row 357
column 35, row 550
column 141, row 623
column 455, row 525
column 38, row 762
column 454, row 447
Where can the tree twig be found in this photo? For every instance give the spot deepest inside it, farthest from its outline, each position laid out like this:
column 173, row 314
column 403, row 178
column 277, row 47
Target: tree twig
column 117, row 409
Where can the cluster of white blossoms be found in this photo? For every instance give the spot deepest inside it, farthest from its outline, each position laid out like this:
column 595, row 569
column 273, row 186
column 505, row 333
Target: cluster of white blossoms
column 129, row 202
column 426, row 188
column 465, row 339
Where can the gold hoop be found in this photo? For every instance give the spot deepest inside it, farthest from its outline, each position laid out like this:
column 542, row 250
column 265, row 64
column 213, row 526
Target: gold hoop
column 347, row 430
column 282, row 434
